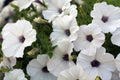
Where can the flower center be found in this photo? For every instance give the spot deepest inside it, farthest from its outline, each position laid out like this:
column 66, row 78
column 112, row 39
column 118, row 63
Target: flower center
column 45, row 69
column 67, row 32
column 95, row 63
column 104, row 19
column 60, row 10
column 89, row 38
column 66, row 57
column 22, row 39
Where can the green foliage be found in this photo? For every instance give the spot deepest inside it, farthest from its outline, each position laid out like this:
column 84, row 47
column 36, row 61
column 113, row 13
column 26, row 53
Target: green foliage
column 43, row 43
column 3, row 70
column 110, row 48
column 1, row 75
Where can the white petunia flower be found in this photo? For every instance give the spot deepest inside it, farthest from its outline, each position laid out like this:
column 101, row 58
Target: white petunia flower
column 115, row 39
column 73, row 73
column 59, row 8
column 89, row 38
column 16, row 74
column 106, row 16
column 61, row 58
column 102, row 64
column 37, row 69
column 8, row 62
column 16, row 37
column 64, row 28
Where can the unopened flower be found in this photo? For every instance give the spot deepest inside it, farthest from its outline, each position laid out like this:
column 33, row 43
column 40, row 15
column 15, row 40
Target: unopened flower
column 33, row 51
column 39, row 20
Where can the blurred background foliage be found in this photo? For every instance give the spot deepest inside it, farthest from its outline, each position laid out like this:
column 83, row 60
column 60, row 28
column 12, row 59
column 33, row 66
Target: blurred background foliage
column 43, row 44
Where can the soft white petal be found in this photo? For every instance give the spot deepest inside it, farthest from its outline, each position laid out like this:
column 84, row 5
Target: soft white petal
column 15, row 74
column 104, row 74
column 33, row 67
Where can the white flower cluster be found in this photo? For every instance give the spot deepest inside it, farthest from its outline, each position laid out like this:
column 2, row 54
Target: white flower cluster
column 92, row 61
